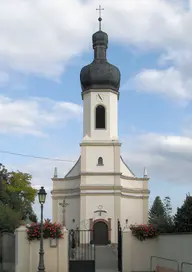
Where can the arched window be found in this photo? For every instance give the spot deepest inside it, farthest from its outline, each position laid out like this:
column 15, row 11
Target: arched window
column 100, row 161
column 100, row 117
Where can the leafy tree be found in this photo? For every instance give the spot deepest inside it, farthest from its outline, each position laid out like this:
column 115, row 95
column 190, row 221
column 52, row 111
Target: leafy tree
column 16, row 197
column 9, row 219
column 183, row 217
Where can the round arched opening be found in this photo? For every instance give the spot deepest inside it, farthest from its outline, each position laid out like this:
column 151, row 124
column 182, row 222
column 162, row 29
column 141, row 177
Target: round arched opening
column 100, row 233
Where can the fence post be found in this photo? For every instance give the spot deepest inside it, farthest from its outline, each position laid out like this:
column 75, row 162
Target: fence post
column 21, row 250
column 119, row 246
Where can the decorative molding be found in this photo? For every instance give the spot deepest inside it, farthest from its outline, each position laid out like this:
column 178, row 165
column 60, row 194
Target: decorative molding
column 67, row 178
column 134, row 178
column 99, row 188
column 91, row 143
column 101, row 90
column 100, row 174
column 65, row 191
column 114, row 194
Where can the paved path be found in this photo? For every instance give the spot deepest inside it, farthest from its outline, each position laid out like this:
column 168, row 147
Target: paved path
column 106, row 260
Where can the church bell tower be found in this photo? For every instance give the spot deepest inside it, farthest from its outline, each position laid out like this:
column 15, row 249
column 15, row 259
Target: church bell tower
column 100, row 83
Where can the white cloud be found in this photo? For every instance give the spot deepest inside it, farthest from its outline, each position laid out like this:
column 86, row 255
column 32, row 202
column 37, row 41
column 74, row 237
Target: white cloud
column 169, row 82
column 34, row 115
column 41, row 37
column 168, row 157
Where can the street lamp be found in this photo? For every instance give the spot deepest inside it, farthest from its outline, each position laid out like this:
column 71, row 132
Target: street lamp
column 42, row 196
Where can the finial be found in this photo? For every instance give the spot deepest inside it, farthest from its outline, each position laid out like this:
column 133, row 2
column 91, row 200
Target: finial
column 55, row 173
column 145, row 175
column 100, row 19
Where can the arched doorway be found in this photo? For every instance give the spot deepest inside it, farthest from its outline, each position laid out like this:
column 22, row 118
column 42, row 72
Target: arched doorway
column 100, row 233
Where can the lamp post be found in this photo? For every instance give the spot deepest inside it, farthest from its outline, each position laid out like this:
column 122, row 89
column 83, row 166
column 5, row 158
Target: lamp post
column 42, row 196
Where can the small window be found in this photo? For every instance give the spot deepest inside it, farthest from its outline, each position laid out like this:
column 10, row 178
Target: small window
column 100, row 117
column 100, row 161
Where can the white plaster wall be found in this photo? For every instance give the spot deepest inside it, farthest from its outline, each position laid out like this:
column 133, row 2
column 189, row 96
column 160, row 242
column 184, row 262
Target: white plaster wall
column 72, row 212
column 137, row 254
column 92, row 155
column 99, row 180
column 110, row 102
column 132, row 184
column 27, row 257
column 66, row 184
column 131, row 209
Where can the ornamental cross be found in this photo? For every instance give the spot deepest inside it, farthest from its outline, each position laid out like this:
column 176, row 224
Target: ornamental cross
column 100, row 19
column 100, row 210
column 64, row 205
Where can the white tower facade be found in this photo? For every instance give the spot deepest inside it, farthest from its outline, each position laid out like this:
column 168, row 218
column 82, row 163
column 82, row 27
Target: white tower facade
column 100, row 188
column 100, row 118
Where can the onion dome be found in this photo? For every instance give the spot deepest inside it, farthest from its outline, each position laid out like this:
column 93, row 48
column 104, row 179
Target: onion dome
column 100, row 74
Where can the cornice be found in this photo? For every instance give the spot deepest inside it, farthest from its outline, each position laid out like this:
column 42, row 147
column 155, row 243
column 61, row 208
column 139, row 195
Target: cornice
column 96, row 194
column 100, row 188
column 100, row 174
column 134, row 178
column 91, row 143
column 100, row 91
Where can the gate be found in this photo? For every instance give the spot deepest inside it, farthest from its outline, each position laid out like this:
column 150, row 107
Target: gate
column 7, row 252
column 119, row 246
column 81, row 251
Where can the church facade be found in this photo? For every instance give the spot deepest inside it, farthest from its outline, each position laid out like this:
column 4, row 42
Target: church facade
column 100, row 188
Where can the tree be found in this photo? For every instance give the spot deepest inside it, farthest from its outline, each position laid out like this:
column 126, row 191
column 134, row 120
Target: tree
column 183, row 217
column 16, row 195
column 157, row 212
column 160, row 214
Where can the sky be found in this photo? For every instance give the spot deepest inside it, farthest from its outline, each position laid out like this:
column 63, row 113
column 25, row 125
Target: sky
column 43, row 46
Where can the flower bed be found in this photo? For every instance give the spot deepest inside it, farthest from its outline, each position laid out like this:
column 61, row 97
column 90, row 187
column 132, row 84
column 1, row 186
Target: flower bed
column 50, row 230
column 143, row 232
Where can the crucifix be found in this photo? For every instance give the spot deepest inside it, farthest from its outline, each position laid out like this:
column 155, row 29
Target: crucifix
column 64, row 205
column 100, row 19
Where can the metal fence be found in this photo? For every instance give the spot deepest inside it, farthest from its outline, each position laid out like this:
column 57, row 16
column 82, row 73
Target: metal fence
column 157, row 261
column 119, row 246
column 81, row 251
column 7, row 252
column 186, row 267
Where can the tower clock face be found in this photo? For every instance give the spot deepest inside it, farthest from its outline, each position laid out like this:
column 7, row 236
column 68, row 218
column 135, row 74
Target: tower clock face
column 100, row 97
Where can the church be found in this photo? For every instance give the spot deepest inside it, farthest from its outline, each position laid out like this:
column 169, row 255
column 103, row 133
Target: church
column 100, row 188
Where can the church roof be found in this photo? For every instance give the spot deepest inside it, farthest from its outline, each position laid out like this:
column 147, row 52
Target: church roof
column 100, row 74
column 75, row 170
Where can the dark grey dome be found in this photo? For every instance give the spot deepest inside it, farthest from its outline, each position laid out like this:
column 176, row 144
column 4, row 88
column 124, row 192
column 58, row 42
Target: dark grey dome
column 100, row 38
column 100, row 74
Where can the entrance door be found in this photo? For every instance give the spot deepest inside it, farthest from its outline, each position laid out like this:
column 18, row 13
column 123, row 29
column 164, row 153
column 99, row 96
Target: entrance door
column 100, row 232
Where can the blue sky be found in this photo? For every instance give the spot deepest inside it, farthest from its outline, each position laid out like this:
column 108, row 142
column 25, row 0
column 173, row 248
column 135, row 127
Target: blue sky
column 43, row 47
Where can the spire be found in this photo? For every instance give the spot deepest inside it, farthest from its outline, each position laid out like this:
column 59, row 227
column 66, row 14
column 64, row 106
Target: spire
column 100, row 18
column 145, row 175
column 55, row 175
